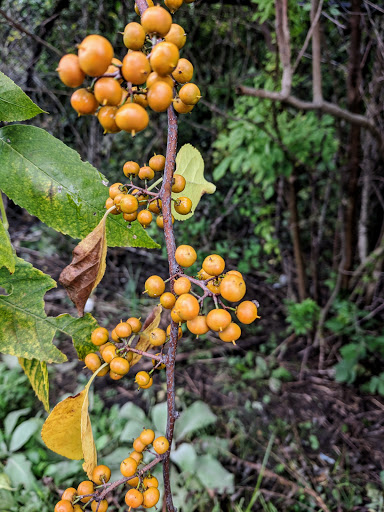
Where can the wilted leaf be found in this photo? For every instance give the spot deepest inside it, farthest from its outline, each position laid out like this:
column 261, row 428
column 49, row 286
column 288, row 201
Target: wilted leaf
column 7, row 258
column 14, row 103
column 190, row 164
column 151, row 322
column 87, row 268
column 37, row 373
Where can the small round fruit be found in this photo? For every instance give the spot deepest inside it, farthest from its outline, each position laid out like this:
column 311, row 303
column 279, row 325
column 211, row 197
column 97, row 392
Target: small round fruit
column 114, row 190
column 179, row 332
column 132, row 117
column 154, row 78
column 117, row 200
column 246, row 312
column 129, row 356
column 123, row 330
column 187, row 306
column 182, row 285
column 180, row 107
column 92, row 362
column 164, row 58
column 134, row 36
column 108, row 91
column 157, row 163
column 156, row 20
column 101, row 474
column 69, row 494
column 99, row 336
column 173, row 5
column 69, row 71
column 176, row 317
column 114, row 337
column 128, row 467
column 183, row 72
column 109, row 353
column 95, row 55
column 135, row 67
column 231, row 333
column 119, row 365
column 145, row 218
column 154, row 286
column 64, row 506
column 214, row 286
column 142, row 378
column 107, row 119
column 155, row 206
column 134, row 498
column 218, row 319
column 185, row 256
column 214, row 265
column 103, row 372
column 133, row 482
column 85, row 487
column 138, row 444
column 235, row 273
column 147, row 386
column 115, row 376
column 151, row 497
column 135, row 323
column 131, row 168
column 160, row 221
column 183, row 205
column 84, row 102
column 167, row 300
column 130, row 217
column 190, row 94
column 176, row 35
column 157, row 337
column 150, row 481
column 109, row 203
column 129, row 204
column 138, row 456
column 203, row 275
column 161, row 445
column 99, row 506
column 102, row 347
column 198, row 325
column 146, row 173
column 232, row 288
column 147, row 435
column 178, row 183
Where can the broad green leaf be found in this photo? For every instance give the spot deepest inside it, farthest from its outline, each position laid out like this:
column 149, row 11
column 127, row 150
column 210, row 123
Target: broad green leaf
column 197, row 416
column 12, row 418
column 132, row 429
column 59, row 188
column 214, row 476
column 25, row 329
column 23, row 433
column 185, row 457
column 14, row 103
column 37, row 373
column 159, row 416
column 130, row 410
column 19, row 470
column 7, row 258
column 190, row 164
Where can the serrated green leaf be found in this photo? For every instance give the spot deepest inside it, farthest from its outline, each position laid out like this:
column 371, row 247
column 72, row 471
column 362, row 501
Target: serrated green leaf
column 7, row 258
column 14, row 103
column 25, row 329
column 37, row 373
column 190, row 164
column 59, row 188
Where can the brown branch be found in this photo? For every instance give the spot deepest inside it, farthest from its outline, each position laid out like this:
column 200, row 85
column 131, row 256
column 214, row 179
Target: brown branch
column 309, row 35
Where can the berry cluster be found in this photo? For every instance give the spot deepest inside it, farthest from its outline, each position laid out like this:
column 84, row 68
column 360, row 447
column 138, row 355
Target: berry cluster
column 187, row 307
column 129, row 198
column 152, row 74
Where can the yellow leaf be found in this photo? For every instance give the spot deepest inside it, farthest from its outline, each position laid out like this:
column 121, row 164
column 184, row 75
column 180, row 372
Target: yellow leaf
column 87, row 268
column 37, row 373
column 190, row 164
column 152, row 321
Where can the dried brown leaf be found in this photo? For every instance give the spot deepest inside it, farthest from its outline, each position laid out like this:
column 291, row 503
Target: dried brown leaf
column 152, row 321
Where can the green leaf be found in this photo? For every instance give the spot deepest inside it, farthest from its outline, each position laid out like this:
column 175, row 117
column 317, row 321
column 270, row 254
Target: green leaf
column 23, row 433
column 7, row 259
column 213, row 475
column 132, row 429
column 190, row 164
column 37, row 373
column 197, row 416
column 159, row 416
column 5, row 483
column 185, row 457
column 14, row 103
column 19, row 470
column 25, row 329
column 59, row 188
column 12, row 418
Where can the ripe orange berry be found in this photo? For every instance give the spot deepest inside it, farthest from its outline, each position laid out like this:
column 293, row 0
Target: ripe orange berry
column 164, row 58
column 138, row 445
column 203, row 275
column 180, row 107
column 151, row 497
column 154, row 286
column 117, row 200
column 146, row 173
column 102, row 347
column 232, row 288
column 115, row 376
column 128, row 467
column 92, row 362
column 157, row 163
column 142, row 378
column 160, row 221
column 132, row 117
column 185, row 256
column 176, row 35
column 103, row 372
column 183, row 72
column 235, row 273
column 69, row 494
column 160, row 445
column 134, row 36
column 154, row 78
column 99, row 336
column 173, row 5
column 134, row 323
column 157, row 337
column 246, row 312
column 133, row 482
column 136, row 67
column 109, row 353
column 107, row 119
column 95, row 55
column 147, row 386
column 108, row 91
column 150, row 481
column 129, row 356
column 214, row 265
column 129, row 204
column 218, row 319
column 63, row 506
column 145, row 218
column 109, row 203
column 84, row 102
column 190, row 94
column 183, row 205
column 123, row 330
column 69, row 71
column 231, row 333
column 114, row 190
column 119, row 365
column 147, row 436
column 179, row 332
column 155, row 206
column 101, row 474
column 182, row 285
column 134, row 498
column 156, row 20
column 178, row 183
column 100, row 506
column 187, row 306
column 176, row 317
column 167, row 300
column 85, row 487
column 137, row 456
column 131, row 168
column 198, row 325
column 114, row 336
column 214, row 286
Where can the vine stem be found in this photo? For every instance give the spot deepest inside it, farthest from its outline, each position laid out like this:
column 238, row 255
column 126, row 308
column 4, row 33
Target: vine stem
column 3, row 214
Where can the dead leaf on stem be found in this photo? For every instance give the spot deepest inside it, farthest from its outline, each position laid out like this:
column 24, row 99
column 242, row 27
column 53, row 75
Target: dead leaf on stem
column 152, row 321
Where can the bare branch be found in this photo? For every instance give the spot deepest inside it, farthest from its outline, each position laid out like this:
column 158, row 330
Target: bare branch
column 314, row 23
column 283, row 42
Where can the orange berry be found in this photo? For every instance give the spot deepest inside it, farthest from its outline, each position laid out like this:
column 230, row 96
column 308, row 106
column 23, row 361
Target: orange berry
column 133, row 482
column 131, row 168
column 134, row 323
column 203, row 275
column 147, row 436
column 142, row 378
column 84, row 102
column 146, row 173
column 103, row 372
column 180, row 107
column 128, row 467
column 134, row 36
column 114, row 190
column 176, row 35
column 99, row 336
column 246, row 312
column 183, row 205
column 160, row 221
column 92, row 362
column 232, row 288
column 214, row 287
column 107, row 119
column 154, row 286
column 123, row 330
column 101, row 474
column 185, row 256
column 156, row 20
column 231, row 333
column 69, row 71
column 85, row 487
column 160, row 445
column 214, row 265
column 147, row 386
column 114, row 336
column 136, row 67
column 164, row 58
column 153, row 78
column 218, row 319
column 176, row 317
column 108, row 91
column 134, row 498
column 140, row 97
column 167, row 300
column 155, row 206
column 109, row 353
column 95, row 55
column 63, row 506
column 132, row 117
column 183, row 72
column 138, row 444
column 150, row 497
column 173, row 5
column 157, row 163
column 145, row 218
column 160, row 96
column 235, row 273
column 150, row 481
column 187, row 306
column 137, row 456
column 99, row 506
column 115, row 376
column 178, row 183
column 114, row 66
column 182, row 285
column 157, row 337
column 129, row 204
column 190, row 94
column 119, row 365
column 108, row 204
column 69, row 494
column 198, row 325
